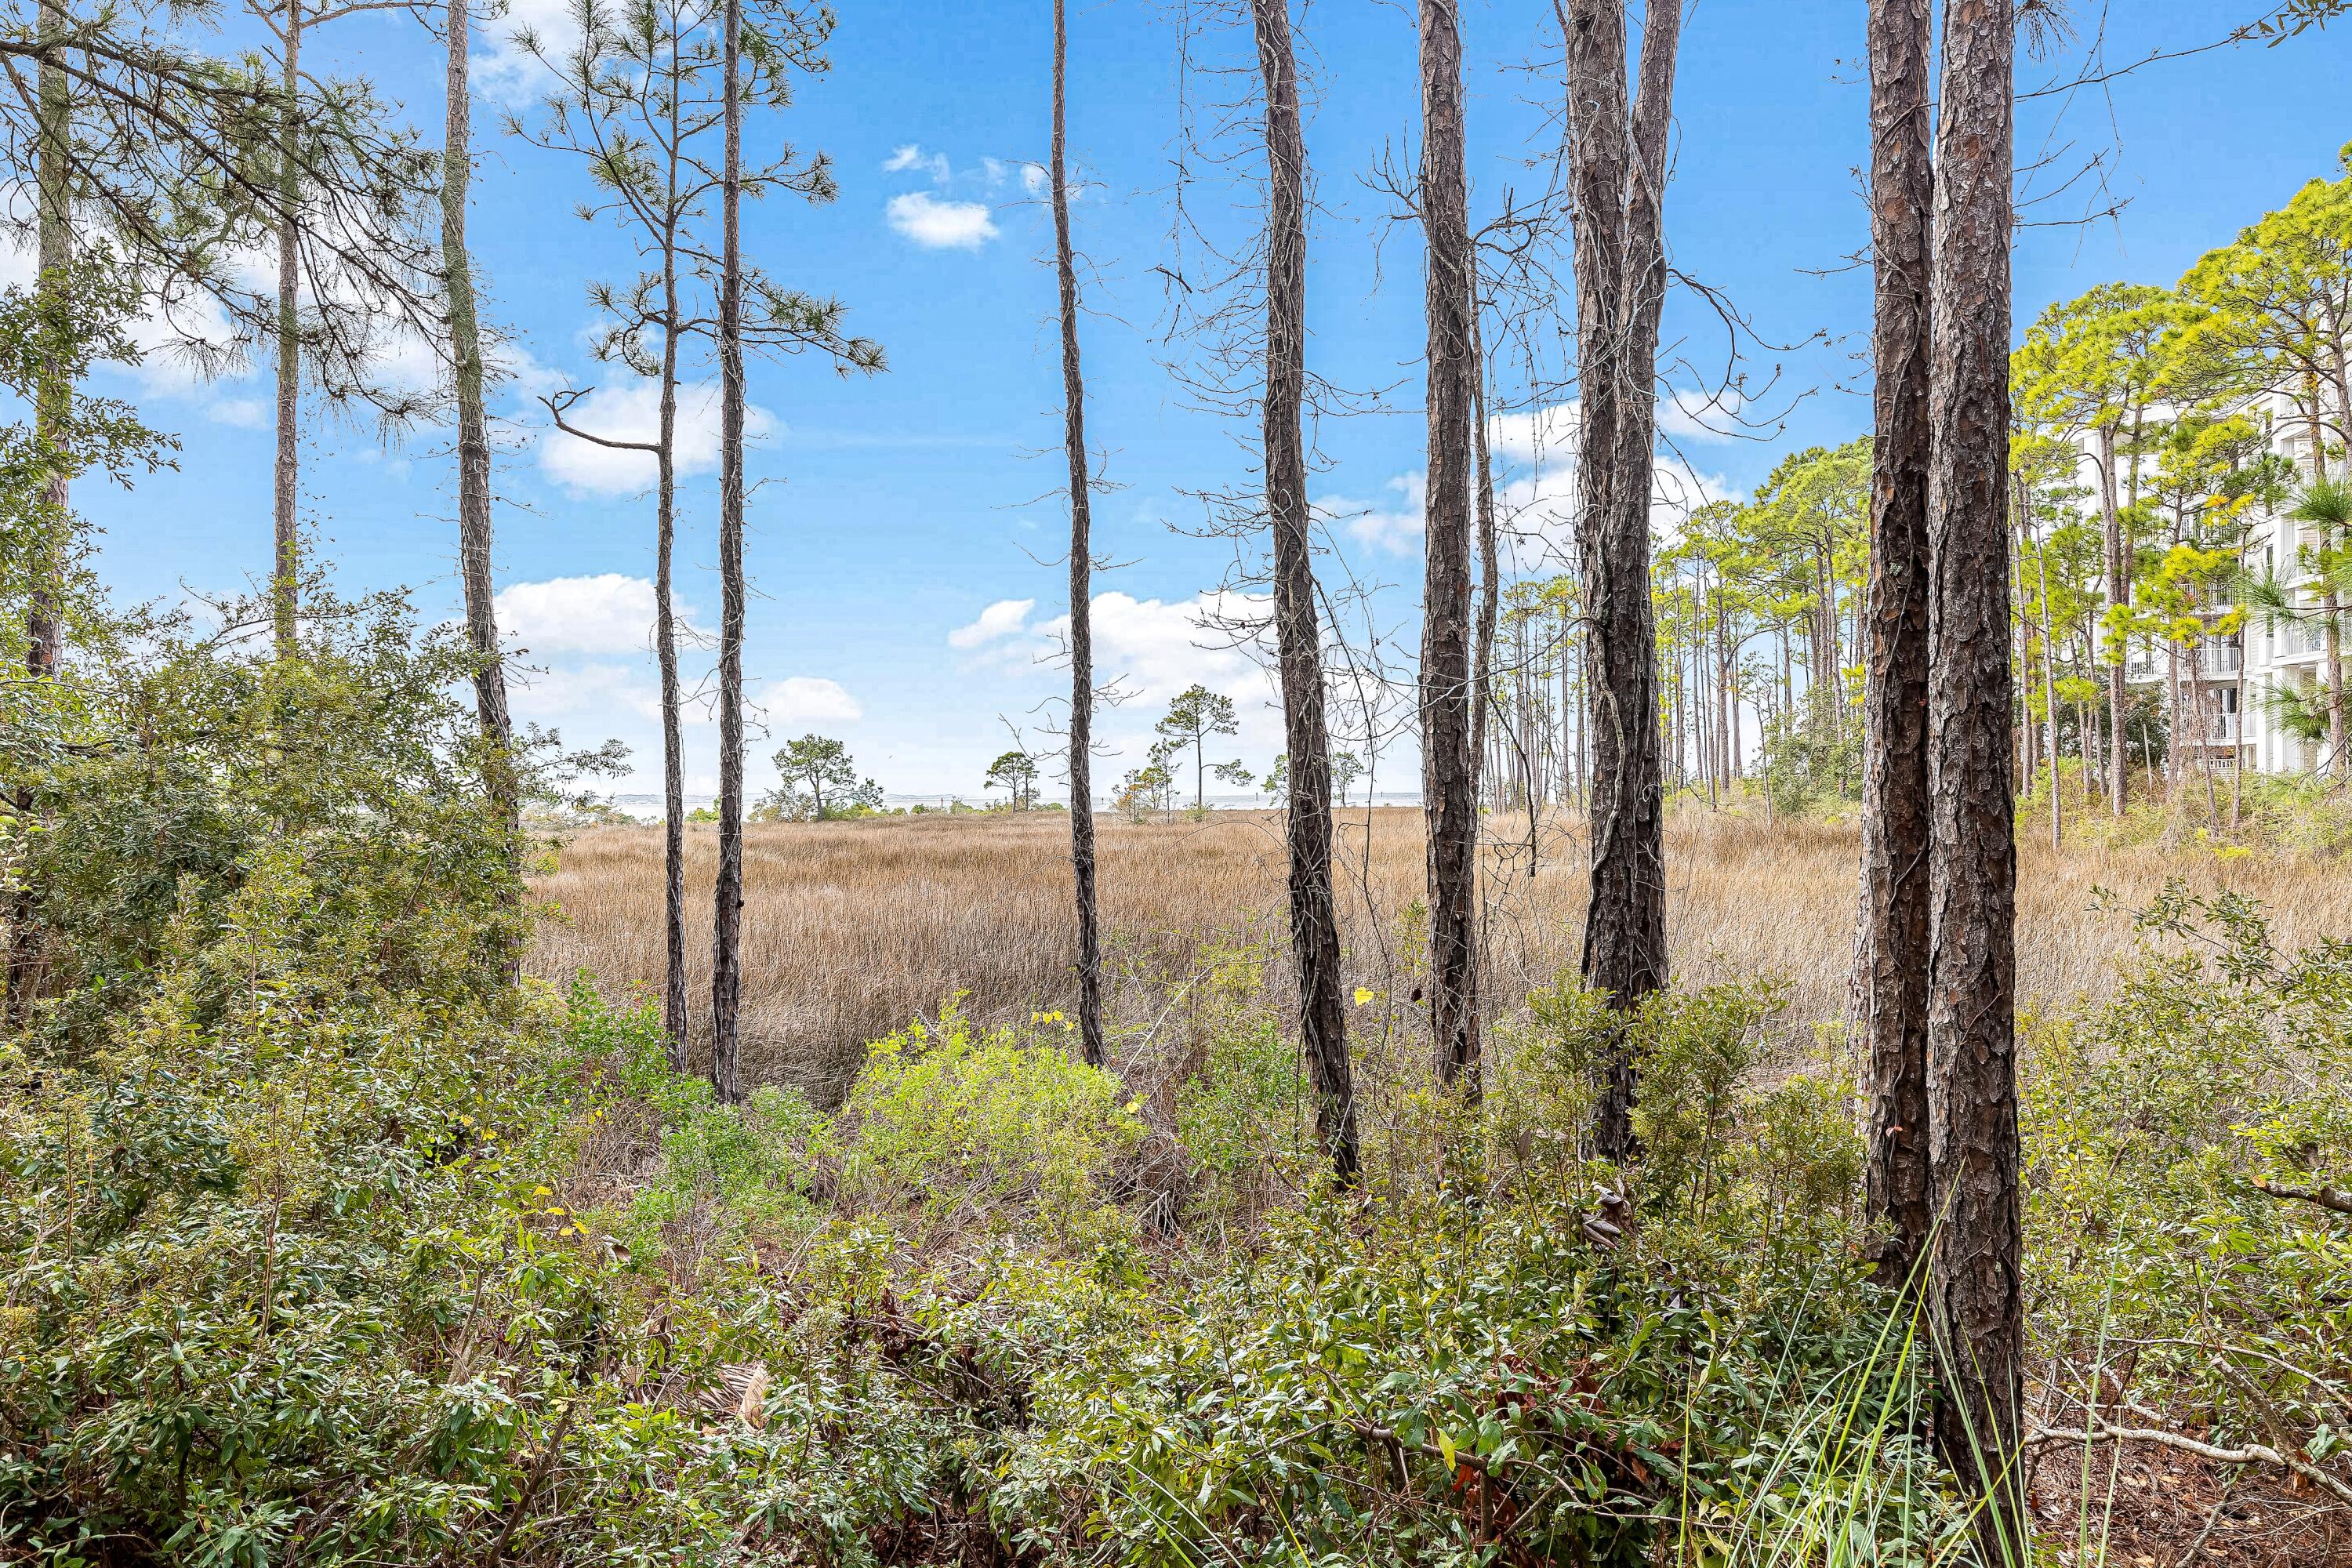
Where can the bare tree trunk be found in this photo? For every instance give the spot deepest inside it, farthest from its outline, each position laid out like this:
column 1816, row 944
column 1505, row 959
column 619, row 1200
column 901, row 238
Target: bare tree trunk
column 474, row 566
column 2049, row 679
column 2238, row 747
column 1082, row 647
column 675, row 1013
column 1892, row 952
column 2026, row 754
column 2172, row 700
column 51, row 533
column 727, row 914
column 1972, row 968
column 1449, row 771
column 1313, row 916
column 1489, row 573
column 2206, row 715
column 43, row 615
column 287, row 560
column 1617, row 178
column 2112, row 534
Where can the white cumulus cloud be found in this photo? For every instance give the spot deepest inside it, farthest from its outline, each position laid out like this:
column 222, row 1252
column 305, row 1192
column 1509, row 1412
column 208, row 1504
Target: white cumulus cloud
column 610, row 612
column 809, row 699
column 631, row 411
column 1004, row 618
column 1546, row 435
column 936, row 225
column 1156, row 647
column 508, row 71
column 1692, row 416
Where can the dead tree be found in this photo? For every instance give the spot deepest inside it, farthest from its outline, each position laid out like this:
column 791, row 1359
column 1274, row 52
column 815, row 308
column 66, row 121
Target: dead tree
column 1972, row 970
column 1298, row 639
column 1448, row 769
column 1891, row 947
column 1617, row 175
column 1082, row 659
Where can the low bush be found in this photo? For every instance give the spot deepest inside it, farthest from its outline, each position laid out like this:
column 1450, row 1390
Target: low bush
column 2183, row 1267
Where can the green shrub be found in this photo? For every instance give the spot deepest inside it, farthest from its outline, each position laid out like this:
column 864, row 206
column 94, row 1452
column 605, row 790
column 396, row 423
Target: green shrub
column 2155, row 1262
column 950, row 1124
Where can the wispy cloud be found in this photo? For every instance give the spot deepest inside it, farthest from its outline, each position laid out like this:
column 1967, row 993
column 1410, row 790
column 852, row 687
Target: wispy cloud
column 912, row 157
column 1393, row 525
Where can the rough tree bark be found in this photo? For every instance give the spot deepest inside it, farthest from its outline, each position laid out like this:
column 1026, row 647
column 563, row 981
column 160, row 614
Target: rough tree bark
column 286, row 563
column 1616, row 179
column 44, row 601
column 2049, row 663
column 1971, row 1021
column 726, row 915
column 1298, row 637
column 1892, row 958
column 44, row 617
column 675, row 1021
column 1449, row 771
column 1082, row 647
column 473, row 432
column 1490, row 588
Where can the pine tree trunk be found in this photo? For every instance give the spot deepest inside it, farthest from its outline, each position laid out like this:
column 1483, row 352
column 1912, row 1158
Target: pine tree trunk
column 1449, row 769
column 676, row 1021
column 1082, row 647
column 2111, row 545
column 53, row 400
column 677, row 1018
column 474, row 566
column 2049, row 684
column 1971, row 1022
column 1482, row 661
column 287, row 562
column 1313, row 916
column 43, row 615
column 726, row 915
column 1617, row 172
column 1892, row 958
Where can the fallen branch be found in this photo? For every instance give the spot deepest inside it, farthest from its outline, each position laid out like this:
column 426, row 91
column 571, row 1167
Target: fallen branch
column 2327, row 1197
column 2251, row 1454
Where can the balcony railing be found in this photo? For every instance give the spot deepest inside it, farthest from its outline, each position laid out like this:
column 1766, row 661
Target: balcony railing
column 2221, row 729
column 2297, row 638
column 2215, row 661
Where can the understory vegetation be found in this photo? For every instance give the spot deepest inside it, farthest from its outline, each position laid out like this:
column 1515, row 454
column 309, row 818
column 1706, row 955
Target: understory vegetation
column 325, row 1238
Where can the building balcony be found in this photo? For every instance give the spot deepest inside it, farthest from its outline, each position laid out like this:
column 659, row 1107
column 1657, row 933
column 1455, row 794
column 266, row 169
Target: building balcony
column 2217, row 729
column 2215, row 661
column 2297, row 639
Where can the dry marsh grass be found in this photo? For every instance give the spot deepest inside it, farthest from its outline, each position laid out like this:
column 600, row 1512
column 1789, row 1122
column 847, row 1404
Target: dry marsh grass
column 852, row 928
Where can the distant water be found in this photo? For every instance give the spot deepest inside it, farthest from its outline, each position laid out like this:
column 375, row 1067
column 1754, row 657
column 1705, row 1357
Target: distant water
column 649, row 807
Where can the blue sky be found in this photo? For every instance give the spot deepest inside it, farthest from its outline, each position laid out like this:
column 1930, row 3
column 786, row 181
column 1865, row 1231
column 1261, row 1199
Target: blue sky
column 905, row 537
